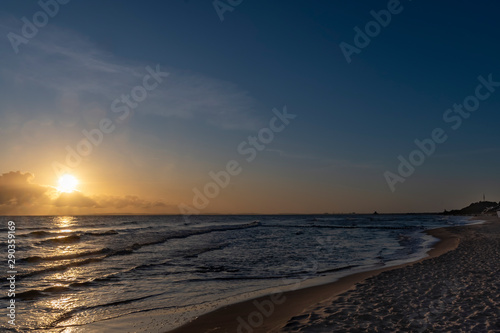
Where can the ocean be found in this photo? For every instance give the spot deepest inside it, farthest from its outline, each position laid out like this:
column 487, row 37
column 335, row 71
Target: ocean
column 76, row 272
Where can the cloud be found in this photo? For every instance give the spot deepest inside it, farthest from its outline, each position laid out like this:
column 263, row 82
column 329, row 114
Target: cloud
column 19, row 195
column 74, row 199
column 126, row 201
column 16, row 189
column 66, row 65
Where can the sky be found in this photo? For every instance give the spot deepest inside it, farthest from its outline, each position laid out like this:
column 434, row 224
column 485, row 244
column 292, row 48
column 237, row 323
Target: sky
column 231, row 107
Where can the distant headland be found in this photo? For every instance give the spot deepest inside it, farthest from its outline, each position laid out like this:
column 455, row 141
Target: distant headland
column 477, row 208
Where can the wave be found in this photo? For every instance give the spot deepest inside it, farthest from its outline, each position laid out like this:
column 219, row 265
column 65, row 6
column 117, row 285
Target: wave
column 62, row 240
column 34, row 259
column 116, row 276
column 39, row 233
column 61, row 267
column 43, row 233
column 217, row 269
column 193, row 253
column 35, row 294
column 333, row 270
column 69, row 314
column 105, row 233
column 127, row 250
column 28, row 295
column 344, row 226
column 183, row 234
column 38, row 293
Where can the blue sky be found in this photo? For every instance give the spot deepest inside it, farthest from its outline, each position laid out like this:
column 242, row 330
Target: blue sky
column 353, row 119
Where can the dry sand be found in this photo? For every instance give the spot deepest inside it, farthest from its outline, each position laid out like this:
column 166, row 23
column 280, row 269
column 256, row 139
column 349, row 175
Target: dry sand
column 455, row 289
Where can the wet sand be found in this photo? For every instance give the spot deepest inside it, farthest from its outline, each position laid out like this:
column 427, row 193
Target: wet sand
column 456, row 288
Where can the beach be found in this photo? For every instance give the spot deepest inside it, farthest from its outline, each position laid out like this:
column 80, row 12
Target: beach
column 455, row 289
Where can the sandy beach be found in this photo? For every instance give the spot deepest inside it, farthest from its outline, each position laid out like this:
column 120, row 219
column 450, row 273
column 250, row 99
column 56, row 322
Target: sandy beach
column 456, row 288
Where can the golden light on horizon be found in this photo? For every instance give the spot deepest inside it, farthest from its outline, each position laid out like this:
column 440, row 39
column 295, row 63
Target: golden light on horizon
column 67, row 183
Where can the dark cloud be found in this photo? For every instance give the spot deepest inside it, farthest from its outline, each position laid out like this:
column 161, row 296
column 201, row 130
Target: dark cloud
column 16, row 189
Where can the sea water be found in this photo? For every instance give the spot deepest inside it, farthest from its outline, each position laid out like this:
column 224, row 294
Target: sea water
column 75, row 272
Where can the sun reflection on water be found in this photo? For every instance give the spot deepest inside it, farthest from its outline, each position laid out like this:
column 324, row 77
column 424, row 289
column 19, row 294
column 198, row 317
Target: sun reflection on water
column 64, row 226
column 62, row 303
column 64, row 221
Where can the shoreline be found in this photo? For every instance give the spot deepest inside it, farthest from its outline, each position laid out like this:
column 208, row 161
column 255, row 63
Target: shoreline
column 271, row 313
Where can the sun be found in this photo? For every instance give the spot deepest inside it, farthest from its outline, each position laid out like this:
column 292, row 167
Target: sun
column 67, row 184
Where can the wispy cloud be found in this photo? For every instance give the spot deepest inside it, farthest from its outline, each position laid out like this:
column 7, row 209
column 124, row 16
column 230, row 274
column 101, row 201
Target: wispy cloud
column 67, row 64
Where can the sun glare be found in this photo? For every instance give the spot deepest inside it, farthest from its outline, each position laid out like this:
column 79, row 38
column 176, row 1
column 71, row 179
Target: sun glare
column 67, row 183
